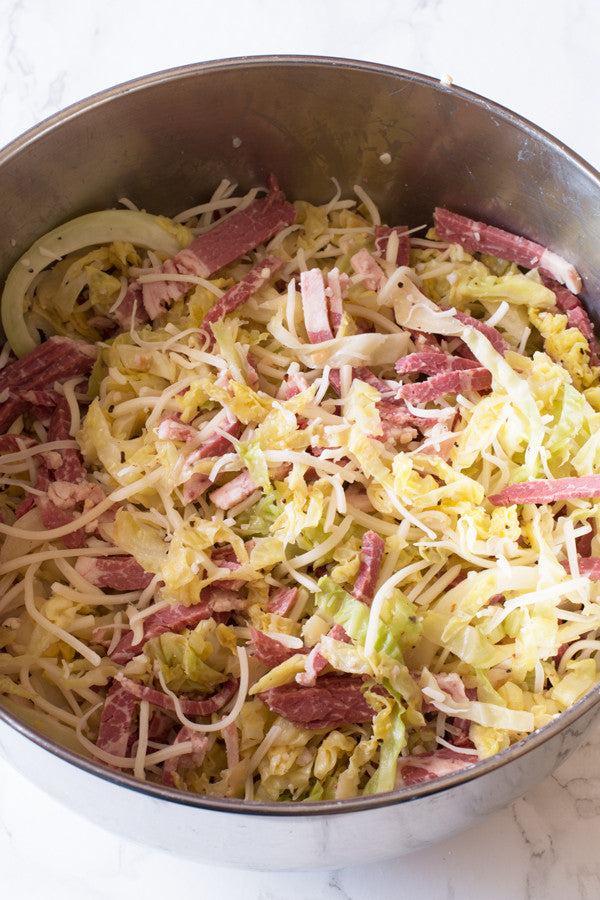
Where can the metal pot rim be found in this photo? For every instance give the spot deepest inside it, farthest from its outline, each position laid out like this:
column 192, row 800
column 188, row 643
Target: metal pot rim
column 327, row 807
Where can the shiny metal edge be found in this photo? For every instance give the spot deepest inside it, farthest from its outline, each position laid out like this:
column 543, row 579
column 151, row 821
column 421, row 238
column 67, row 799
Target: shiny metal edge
column 327, row 807
column 320, row 807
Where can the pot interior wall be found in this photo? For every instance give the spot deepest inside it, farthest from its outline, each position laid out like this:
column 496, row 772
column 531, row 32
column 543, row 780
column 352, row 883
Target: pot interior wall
column 166, row 141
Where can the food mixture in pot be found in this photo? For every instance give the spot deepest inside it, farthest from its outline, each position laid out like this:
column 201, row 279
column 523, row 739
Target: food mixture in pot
column 295, row 505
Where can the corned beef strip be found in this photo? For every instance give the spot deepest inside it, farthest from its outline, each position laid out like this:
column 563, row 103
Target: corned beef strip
column 437, row 386
column 477, row 237
column 576, row 314
column 116, row 720
column 382, row 238
column 336, row 285
column 233, row 237
column 131, row 304
column 270, row 651
column 314, row 665
column 187, row 760
column 171, row 618
column 491, row 333
column 160, row 725
column 241, row 487
column 338, row 633
column 170, row 429
column 236, row 490
column 228, row 240
column 548, row 490
column 55, row 517
column 294, row 385
column 57, row 359
column 12, row 443
column 196, row 486
column 188, row 707
column 365, row 374
column 314, row 304
column 281, row 600
column 120, row 573
column 371, row 556
column 584, row 542
column 364, row 264
column 427, row 766
column 399, row 415
column 217, row 444
column 431, row 362
column 215, row 601
column 589, row 566
column 260, row 275
column 71, row 468
column 334, row 700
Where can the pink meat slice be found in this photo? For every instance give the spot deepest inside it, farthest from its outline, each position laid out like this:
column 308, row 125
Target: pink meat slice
column 334, row 700
column 57, row 359
column 365, row 374
column 382, row 237
column 216, row 444
column 281, row 600
column 478, row 379
column 314, row 304
column 431, row 362
column 237, row 295
column 427, row 766
column 314, row 665
column 228, row 240
column 295, row 384
column 338, row 633
column 188, row 707
column 400, row 416
column 233, row 237
column 55, row 517
column 170, row 429
column 39, row 398
column 334, row 292
column 548, row 490
column 196, row 486
column 364, row 264
column 116, row 720
column 479, row 237
column 269, row 650
column 171, row 618
column 131, row 306
column 371, row 556
column 576, row 314
column 491, row 333
column 450, row 683
column 71, row 468
column 589, row 565
column 225, row 557
column 187, row 760
column 120, row 573
column 234, row 492
column 12, row 443
column 160, row 726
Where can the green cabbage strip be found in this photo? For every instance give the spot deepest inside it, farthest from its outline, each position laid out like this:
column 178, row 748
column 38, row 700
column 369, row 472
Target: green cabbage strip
column 397, row 626
column 138, row 228
column 385, row 777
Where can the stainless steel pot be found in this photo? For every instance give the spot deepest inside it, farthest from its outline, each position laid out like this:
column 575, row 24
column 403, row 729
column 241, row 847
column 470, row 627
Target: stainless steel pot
column 165, row 141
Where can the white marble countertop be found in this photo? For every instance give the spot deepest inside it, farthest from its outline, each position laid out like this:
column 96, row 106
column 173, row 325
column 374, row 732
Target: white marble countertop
column 539, row 58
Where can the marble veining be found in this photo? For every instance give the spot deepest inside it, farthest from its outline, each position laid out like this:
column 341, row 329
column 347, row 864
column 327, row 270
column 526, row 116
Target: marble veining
column 538, row 58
